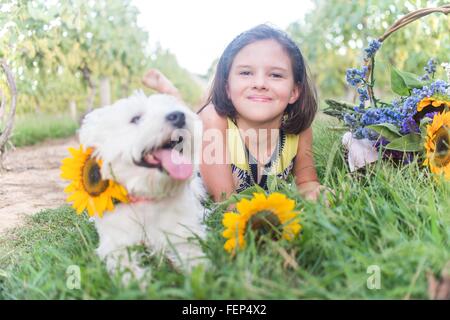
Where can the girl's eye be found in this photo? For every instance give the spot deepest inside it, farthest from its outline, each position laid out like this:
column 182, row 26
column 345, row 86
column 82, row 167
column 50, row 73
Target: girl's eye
column 244, row 73
column 135, row 119
column 277, row 75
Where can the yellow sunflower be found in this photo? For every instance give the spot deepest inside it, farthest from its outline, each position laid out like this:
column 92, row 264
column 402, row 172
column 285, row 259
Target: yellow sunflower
column 430, row 101
column 88, row 189
column 437, row 145
column 260, row 213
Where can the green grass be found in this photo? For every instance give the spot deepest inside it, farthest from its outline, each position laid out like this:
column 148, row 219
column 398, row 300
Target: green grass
column 30, row 129
column 394, row 217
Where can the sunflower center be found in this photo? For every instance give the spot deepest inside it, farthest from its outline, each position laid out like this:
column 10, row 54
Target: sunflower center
column 92, row 178
column 264, row 223
column 442, row 152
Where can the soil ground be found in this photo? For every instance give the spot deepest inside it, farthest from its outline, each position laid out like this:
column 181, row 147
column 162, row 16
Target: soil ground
column 31, row 182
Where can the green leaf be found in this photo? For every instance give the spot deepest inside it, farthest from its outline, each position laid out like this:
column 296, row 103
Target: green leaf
column 409, row 143
column 398, row 85
column 338, row 105
column 272, row 182
column 386, row 130
column 412, row 80
column 402, row 82
column 250, row 190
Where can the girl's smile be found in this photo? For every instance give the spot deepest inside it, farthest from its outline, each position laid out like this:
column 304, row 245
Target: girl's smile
column 259, row 98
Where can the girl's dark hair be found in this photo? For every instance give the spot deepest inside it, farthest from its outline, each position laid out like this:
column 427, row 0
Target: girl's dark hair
column 300, row 114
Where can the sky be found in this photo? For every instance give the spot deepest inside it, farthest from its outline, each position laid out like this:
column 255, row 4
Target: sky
column 197, row 31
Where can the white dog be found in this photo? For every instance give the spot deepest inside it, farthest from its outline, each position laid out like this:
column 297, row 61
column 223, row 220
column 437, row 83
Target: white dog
column 138, row 140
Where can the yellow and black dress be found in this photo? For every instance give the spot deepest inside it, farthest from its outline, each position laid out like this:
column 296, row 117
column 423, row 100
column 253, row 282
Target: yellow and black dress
column 244, row 166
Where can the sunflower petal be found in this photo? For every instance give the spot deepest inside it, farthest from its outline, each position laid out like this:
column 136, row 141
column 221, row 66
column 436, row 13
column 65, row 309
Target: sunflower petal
column 230, row 245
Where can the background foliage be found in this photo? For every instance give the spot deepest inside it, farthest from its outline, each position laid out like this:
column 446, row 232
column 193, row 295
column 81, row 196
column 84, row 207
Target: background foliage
column 61, row 51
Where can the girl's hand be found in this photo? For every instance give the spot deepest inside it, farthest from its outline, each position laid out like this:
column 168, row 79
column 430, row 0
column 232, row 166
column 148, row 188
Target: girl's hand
column 309, row 190
column 156, row 80
column 312, row 190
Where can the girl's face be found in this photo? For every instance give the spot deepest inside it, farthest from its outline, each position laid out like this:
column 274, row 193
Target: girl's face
column 261, row 82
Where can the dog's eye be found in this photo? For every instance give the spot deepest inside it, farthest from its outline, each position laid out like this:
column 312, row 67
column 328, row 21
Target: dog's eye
column 135, row 119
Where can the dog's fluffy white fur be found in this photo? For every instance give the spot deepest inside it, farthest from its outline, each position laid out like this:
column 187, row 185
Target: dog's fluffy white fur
column 171, row 222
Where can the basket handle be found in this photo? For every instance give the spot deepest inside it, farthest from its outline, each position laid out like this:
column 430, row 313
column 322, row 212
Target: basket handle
column 400, row 23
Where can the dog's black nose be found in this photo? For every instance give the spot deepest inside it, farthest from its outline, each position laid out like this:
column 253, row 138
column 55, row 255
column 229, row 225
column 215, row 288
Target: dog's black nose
column 177, row 119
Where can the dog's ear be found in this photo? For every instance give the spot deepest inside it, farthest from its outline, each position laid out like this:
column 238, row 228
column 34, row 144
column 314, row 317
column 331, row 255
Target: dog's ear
column 90, row 133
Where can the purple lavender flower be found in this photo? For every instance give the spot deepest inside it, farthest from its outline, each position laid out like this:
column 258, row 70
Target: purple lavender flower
column 363, row 94
column 374, row 45
column 365, row 133
column 439, row 86
column 410, row 105
column 409, row 125
column 350, row 120
column 431, row 115
column 430, row 68
column 356, row 76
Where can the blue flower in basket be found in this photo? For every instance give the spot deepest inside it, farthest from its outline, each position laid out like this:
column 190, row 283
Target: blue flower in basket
column 397, row 129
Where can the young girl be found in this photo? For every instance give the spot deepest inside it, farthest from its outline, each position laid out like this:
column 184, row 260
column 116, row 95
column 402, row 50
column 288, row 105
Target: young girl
column 263, row 104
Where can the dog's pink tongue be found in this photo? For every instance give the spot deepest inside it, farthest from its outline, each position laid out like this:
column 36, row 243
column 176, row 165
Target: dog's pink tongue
column 178, row 166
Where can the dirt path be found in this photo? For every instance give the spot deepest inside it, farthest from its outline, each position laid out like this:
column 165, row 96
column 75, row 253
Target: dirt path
column 33, row 182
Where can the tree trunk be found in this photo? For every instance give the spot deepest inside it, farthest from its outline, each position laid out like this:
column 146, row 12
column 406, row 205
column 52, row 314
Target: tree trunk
column 2, row 107
column 5, row 134
column 125, row 89
column 91, row 87
column 91, row 97
column 73, row 110
column 37, row 105
column 105, row 92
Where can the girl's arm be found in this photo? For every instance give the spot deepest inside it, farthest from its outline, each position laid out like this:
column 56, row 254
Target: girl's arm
column 304, row 170
column 217, row 175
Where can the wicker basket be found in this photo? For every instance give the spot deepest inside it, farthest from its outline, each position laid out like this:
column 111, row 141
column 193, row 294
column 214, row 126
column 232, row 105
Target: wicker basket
column 400, row 23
